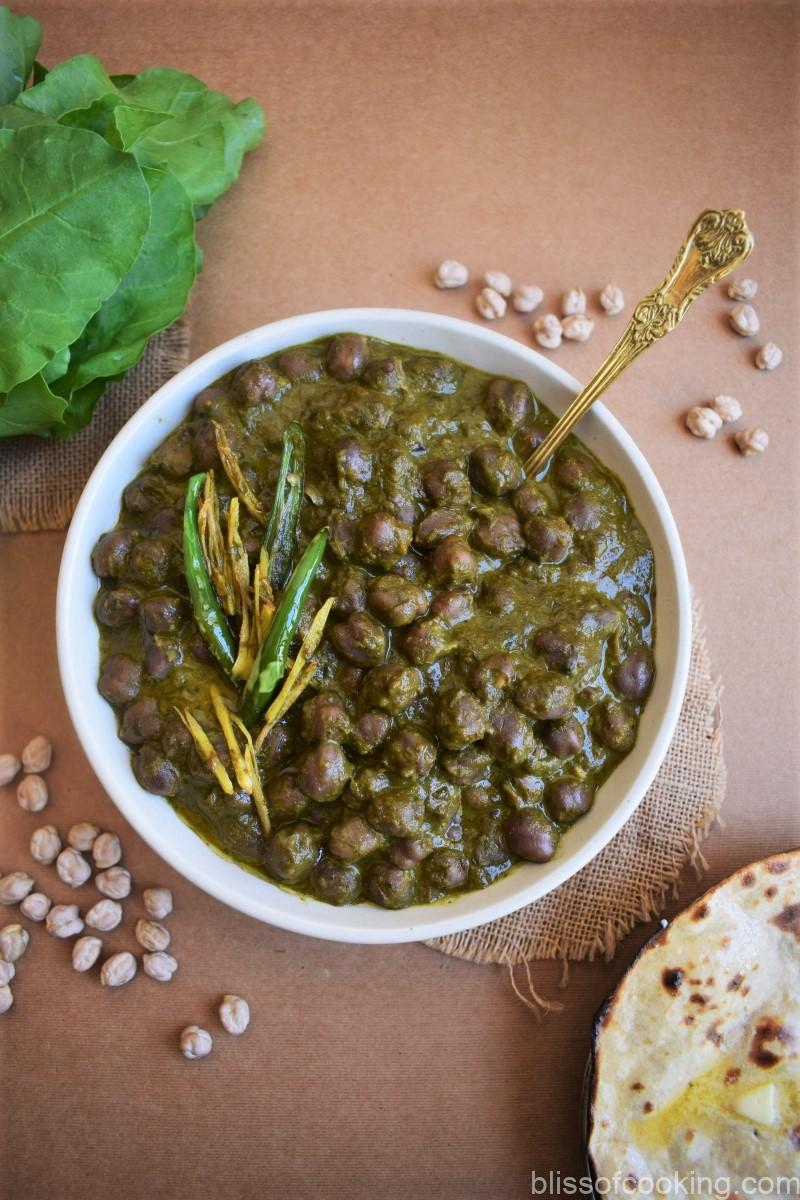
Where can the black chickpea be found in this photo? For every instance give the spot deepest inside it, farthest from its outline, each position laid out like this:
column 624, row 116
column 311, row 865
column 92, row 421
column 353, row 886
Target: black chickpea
column 510, row 736
column 300, row 366
column 447, row 869
column 116, row 607
column 291, row 852
column 255, row 383
column 335, row 882
column 346, row 356
column 370, row 730
column 110, row 555
column 120, row 679
column 568, row 798
column 352, row 838
column 491, row 676
column 453, row 607
column 445, row 482
column 426, row 641
column 453, row 563
column 325, row 718
column 508, row 404
column 392, row 687
column 459, row 719
column 390, row 886
column 615, row 724
column 563, row 737
column 498, row 534
column 395, row 600
column 528, row 500
column 440, row 524
column 633, row 678
column 410, row 754
column 530, row 836
column 360, row 639
column 544, row 695
column 495, row 471
column 547, row 538
column 380, row 539
column 323, row 772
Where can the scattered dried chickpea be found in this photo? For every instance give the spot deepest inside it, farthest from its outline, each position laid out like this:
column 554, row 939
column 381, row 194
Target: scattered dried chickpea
column 195, row 1042
column 114, row 883
column 703, row 422
column 36, row 906
column 751, row 441
column 727, row 408
column 118, row 970
column 612, row 299
column 64, row 921
column 72, row 867
column 106, row 851
column 451, row 274
column 37, row 755
column 159, row 965
column 573, row 303
column 527, row 297
column 6, row 998
column 498, row 281
column 768, row 357
column 152, row 935
column 742, row 289
column 7, row 972
column 157, row 902
column 105, row 915
column 547, row 331
column 82, row 835
column 15, row 887
column 45, row 844
column 744, row 320
column 9, row 768
column 32, row 793
column 14, row 941
column 577, row 328
column 490, row 304
column 234, row 1013
column 85, row 953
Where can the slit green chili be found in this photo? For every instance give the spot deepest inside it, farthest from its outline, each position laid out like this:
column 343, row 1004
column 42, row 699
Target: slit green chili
column 270, row 665
column 281, row 531
column 208, row 614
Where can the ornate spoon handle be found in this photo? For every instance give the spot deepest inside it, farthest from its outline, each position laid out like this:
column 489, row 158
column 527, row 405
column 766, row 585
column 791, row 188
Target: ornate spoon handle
column 716, row 244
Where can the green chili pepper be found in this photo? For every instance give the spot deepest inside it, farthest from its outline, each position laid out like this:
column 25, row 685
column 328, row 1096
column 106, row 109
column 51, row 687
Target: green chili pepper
column 207, row 610
column 270, row 665
column 281, row 531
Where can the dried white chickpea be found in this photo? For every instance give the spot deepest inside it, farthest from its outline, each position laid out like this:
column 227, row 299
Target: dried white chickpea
column 36, row 906
column 195, row 1042
column 727, row 408
column 104, row 915
column 7, row 972
column 751, row 441
column 234, row 1013
column 159, row 966
column 703, row 422
column 114, row 883
column 64, row 920
column 32, row 793
column 612, row 299
column 742, row 289
column 499, row 282
column 573, row 303
column 157, row 902
column 72, row 867
column 106, row 851
column 13, row 942
column 9, row 768
column 744, row 320
column 451, row 274
column 37, row 755
column 547, row 331
column 490, row 304
column 118, row 969
column 6, row 998
column 45, row 844
column 527, row 297
column 577, row 328
column 152, row 935
column 15, row 887
column 82, row 835
column 768, row 357
column 85, row 953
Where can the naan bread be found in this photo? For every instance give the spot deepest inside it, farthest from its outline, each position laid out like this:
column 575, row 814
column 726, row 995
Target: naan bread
column 697, row 1054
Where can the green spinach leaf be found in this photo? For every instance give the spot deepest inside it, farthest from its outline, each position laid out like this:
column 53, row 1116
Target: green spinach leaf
column 150, row 296
column 73, row 218
column 20, row 39
column 30, row 407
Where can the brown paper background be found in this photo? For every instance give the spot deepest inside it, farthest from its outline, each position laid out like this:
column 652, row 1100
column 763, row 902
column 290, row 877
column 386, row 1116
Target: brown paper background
column 569, row 144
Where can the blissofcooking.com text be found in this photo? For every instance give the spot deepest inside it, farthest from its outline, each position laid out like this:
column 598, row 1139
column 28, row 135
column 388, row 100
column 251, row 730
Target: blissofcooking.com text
column 690, row 1183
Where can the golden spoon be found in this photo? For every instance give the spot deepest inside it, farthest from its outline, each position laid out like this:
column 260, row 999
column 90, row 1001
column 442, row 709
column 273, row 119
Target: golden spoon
column 717, row 243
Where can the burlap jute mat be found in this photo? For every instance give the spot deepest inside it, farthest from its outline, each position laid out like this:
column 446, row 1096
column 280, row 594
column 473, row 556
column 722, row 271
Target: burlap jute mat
column 42, row 478
column 639, row 869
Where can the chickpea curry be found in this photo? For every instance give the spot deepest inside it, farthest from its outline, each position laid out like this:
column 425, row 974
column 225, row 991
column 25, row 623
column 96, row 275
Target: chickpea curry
column 348, row 640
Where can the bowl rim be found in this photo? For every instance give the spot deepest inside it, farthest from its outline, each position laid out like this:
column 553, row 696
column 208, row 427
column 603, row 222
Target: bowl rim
column 419, row 922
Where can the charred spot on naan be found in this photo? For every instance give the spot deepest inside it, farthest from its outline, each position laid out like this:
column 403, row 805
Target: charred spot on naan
column 788, row 921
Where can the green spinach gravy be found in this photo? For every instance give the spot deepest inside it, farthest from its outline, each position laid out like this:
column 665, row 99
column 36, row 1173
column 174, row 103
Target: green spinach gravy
column 487, row 657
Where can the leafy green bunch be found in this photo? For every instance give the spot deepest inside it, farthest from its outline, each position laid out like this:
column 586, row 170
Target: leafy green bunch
column 102, row 178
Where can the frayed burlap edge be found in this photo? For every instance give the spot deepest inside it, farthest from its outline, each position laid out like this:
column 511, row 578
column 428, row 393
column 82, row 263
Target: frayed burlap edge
column 42, row 478
column 589, row 914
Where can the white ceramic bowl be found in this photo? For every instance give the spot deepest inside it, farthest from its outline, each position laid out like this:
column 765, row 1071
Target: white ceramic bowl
column 152, row 816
